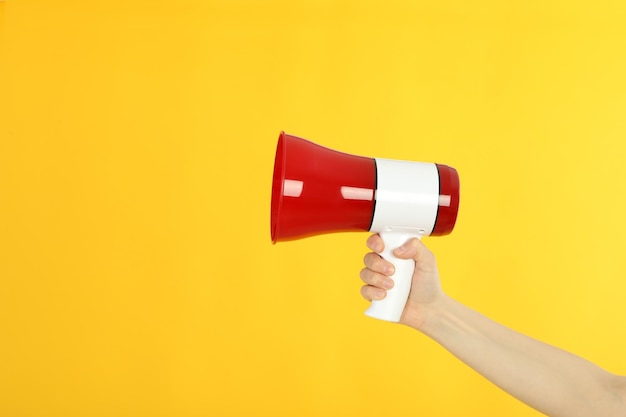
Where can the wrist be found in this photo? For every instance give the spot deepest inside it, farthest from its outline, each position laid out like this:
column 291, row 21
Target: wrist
column 427, row 317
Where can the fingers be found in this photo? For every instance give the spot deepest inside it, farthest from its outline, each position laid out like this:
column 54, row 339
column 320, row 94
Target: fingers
column 414, row 249
column 375, row 243
column 375, row 279
column 375, row 275
column 372, row 293
column 374, row 262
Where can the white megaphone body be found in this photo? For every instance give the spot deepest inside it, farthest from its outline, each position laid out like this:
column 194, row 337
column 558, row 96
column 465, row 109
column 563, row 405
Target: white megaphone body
column 316, row 190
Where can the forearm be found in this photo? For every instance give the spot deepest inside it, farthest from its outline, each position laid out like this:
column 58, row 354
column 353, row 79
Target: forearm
column 546, row 378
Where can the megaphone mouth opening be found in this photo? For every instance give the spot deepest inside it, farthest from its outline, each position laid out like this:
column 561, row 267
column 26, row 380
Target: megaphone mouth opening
column 277, row 186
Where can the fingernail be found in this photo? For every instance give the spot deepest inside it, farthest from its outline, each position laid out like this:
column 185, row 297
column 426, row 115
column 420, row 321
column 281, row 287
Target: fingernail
column 388, row 284
column 400, row 250
column 389, row 270
column 379, row 294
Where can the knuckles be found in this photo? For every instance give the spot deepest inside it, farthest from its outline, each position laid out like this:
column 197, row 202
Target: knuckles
column 374, row 262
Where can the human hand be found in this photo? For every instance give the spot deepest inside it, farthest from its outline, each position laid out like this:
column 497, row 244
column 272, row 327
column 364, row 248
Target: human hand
column 425, row 286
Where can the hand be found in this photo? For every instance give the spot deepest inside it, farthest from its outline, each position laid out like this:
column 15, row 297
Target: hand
column 425, row 286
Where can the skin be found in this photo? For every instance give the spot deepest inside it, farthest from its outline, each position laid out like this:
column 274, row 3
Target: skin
column 553, row 381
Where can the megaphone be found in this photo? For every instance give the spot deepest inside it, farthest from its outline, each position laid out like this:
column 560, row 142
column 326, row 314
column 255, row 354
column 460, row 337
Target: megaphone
column 316, row 190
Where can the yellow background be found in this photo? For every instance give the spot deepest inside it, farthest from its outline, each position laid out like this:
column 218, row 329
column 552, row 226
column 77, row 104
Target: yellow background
column 137, row 138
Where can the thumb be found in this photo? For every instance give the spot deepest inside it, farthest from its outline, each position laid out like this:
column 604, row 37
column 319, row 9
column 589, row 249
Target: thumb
column 411, row 249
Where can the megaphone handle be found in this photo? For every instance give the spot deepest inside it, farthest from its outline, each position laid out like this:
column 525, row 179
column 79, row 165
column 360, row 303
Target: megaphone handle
column 391, row 307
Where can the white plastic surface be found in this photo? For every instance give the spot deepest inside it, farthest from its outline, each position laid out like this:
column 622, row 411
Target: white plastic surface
column 391, row 307
column 407, row 196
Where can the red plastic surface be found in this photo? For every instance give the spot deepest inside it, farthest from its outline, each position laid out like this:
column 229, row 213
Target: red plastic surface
column 449, row 190
column 317, row 190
